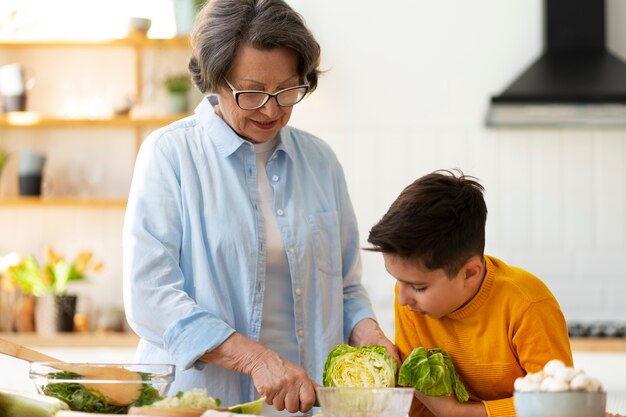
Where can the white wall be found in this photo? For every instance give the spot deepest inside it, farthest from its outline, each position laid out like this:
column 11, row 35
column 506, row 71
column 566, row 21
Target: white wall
column 406, row 92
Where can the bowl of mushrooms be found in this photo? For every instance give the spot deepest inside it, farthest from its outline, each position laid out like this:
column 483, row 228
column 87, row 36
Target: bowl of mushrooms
column 559, row 391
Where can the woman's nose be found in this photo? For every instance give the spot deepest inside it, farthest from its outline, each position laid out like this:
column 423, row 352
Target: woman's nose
column 271, row 108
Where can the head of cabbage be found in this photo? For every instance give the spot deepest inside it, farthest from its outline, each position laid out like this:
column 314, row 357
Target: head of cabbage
column 431, row 372
column 363, row 366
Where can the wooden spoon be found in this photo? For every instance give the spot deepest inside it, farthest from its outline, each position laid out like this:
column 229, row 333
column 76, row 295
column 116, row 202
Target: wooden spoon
column 121, row 394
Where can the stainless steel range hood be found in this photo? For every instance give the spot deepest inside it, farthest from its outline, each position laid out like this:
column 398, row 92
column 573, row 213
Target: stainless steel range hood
column 576, row 82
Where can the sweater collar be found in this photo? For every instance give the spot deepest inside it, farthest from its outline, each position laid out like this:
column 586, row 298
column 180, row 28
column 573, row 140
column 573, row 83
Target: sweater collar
column 481, row 296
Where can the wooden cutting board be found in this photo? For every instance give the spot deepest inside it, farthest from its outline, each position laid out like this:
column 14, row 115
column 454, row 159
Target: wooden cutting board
column 170, row 412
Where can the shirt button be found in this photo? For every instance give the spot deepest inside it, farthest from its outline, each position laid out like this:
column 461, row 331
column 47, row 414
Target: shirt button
column 291, row 250
column 280, row 212
column 274, row 178
column 300, row 333
column 298, row 291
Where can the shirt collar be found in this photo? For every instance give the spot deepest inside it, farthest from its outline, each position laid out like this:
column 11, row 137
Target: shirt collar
column 225, row 138
column 219, row 132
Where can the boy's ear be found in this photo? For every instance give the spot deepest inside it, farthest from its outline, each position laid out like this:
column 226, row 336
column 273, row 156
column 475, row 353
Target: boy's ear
column 473, row 272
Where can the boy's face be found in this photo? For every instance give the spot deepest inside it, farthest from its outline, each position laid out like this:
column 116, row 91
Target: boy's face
column 432, row 292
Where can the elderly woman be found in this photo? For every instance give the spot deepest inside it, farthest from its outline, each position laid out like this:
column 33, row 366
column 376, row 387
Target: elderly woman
column 241, row 250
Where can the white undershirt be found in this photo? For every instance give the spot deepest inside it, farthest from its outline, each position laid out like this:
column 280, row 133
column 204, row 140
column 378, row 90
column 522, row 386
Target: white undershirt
column 278, row 324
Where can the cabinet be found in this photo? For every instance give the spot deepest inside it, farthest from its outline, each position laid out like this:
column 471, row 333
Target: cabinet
column 31, row 128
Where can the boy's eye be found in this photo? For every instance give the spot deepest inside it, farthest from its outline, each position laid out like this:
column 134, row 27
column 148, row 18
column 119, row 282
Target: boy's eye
column 418, row 289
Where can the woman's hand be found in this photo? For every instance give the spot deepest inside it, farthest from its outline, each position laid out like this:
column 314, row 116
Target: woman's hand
column 367, row 332
column 449, row 407
column 284, row 384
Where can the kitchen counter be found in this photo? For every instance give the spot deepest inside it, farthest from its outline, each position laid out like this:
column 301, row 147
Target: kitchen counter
column 600, row 344
column 125, row 340
column 75, row 340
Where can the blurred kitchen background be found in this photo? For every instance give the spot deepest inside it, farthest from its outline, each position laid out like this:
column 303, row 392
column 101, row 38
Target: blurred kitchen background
column 406, row 91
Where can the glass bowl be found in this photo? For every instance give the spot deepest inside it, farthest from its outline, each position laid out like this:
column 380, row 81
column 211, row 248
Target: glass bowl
column 102, row 387
column 560, row 404
column 364, row 402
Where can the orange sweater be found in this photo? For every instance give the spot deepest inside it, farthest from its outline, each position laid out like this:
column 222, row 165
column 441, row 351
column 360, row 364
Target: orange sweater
column 512, row 326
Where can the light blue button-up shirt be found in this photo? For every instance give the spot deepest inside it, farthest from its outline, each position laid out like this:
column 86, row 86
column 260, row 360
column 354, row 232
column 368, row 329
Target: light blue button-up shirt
column 194, row 248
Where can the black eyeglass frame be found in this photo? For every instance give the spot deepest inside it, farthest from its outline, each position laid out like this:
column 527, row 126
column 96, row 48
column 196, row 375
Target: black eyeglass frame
column 268, row 96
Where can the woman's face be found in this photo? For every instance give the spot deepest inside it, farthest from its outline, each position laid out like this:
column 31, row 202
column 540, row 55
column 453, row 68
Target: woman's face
column 262, row 70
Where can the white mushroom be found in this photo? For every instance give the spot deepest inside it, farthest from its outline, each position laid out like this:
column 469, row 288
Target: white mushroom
column 536, row 377
column 546, row 383
column 565, row 374
column 526, row 385
column 594, row 385
column 580, row 382
column 552, row 366
column 556, row 385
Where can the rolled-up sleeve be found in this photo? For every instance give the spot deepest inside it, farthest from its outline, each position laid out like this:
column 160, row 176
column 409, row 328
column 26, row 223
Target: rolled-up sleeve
column 158, row 307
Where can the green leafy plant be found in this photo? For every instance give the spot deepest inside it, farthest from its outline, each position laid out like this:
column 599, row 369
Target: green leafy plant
column 55, row 275
column 4, row 155
column 178, row 83
column 431, row 372
column 363, row 366
column 197, row 4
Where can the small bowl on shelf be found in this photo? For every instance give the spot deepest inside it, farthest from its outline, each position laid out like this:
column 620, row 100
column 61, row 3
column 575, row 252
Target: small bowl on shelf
column 560, row 404
column 139, row 26
column 102, row 387
column 364, row 402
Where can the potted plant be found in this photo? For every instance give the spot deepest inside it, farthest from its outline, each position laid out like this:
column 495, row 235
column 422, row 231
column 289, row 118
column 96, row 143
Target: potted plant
column 49, row 283
column 4, row 155
column 177, row 86
column 184, row 14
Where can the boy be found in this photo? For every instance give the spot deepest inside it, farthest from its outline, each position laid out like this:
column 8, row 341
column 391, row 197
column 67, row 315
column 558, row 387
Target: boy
column 496, row 322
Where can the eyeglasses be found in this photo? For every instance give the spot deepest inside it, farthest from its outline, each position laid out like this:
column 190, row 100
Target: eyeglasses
column 253, row 99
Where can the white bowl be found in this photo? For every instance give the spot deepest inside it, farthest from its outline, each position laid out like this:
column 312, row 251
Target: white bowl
column 139, row 25
column 560, row 404
column 364, row 402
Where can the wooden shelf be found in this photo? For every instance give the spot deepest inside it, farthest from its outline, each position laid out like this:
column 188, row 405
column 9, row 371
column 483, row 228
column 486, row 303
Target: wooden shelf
column 134, row 41
column 74, row 340
column 61, row 202
column 36, row 120
column 598, row 344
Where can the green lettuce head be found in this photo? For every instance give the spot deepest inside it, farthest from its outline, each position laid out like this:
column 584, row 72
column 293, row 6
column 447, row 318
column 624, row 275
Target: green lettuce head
column 363, row 366
column 431, row 372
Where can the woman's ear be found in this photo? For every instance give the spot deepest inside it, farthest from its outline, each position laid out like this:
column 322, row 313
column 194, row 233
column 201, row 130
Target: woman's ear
column 473, row 272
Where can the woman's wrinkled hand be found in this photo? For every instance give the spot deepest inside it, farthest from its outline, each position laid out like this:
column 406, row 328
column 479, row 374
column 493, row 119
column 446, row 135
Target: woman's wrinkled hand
column 285, row 385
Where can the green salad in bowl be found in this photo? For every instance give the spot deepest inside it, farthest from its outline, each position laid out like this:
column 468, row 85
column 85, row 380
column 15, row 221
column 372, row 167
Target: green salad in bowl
column 92, row 394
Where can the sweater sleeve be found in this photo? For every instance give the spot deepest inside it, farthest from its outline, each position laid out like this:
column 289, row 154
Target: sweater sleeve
column 541, row 335
column 500, row 408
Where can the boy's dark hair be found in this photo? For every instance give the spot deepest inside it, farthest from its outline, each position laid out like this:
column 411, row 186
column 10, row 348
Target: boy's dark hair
column 438, row 220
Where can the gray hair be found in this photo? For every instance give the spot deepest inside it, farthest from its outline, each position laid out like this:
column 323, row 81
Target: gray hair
column 222, row 25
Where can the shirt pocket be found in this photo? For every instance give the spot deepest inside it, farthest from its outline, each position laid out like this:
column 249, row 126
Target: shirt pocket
column 326, row 242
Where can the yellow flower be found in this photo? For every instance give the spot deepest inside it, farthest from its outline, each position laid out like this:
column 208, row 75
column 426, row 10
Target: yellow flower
column 55, row 275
